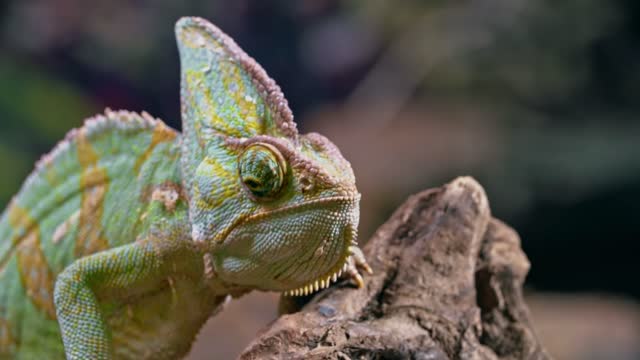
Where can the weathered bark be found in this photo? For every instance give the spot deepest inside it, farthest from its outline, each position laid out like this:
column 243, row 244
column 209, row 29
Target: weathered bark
column 447, row 284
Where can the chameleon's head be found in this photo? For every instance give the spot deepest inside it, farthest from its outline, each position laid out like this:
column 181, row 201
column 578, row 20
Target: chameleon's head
column 277, row 210
column 294, row 214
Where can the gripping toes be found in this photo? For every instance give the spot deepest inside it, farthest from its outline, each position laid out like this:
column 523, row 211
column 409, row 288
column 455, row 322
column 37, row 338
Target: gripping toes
column 356, row 262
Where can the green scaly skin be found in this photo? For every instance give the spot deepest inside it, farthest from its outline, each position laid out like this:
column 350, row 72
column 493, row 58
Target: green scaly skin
column 128, row 236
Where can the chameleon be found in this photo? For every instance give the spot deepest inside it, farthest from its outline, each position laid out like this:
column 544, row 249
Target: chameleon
column 129, row 235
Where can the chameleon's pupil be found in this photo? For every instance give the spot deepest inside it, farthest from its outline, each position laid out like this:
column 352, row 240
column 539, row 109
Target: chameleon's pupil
column 262, row 170
column 252, row 183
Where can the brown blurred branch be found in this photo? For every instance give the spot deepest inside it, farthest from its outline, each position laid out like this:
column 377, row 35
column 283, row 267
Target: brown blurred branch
column 447, row 285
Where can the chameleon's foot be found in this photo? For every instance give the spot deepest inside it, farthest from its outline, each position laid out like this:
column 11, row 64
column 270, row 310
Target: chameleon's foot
column 355, row 262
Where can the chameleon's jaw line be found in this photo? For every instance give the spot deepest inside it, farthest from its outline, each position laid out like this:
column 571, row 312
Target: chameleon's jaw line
column 332, row 276
column 313, row 260
column 321, row 283
column 351, row 264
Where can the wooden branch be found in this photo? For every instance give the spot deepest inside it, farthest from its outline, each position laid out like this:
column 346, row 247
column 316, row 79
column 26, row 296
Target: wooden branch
column 447, row 284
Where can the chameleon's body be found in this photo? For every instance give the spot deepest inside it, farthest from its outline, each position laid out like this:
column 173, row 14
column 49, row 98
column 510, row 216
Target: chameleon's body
column 128, row 236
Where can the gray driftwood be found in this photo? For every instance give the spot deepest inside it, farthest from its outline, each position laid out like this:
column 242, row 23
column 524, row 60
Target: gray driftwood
column 447, row 284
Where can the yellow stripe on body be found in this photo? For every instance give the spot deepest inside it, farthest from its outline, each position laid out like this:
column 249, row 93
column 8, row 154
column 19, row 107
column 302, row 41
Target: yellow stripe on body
column 35, row 274
column 8, row 342
column 161, row 133
column 51, row 175
column 94, row 183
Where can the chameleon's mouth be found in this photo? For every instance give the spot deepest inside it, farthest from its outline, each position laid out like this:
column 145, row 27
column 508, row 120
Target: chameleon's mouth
column 296, row 256
column 333, row 274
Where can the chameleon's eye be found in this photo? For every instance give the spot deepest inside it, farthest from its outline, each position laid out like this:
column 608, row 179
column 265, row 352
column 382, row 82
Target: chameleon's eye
column 262, row 170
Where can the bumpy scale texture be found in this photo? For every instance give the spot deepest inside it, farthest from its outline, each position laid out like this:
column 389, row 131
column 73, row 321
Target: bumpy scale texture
column 128, row 236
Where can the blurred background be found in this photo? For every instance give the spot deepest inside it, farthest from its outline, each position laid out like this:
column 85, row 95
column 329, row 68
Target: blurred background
column 537, row 99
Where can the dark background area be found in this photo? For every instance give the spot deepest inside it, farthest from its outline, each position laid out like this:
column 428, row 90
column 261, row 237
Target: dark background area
column 537, row 99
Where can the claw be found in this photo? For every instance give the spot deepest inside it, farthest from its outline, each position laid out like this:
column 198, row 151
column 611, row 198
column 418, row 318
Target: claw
column 354, row 262
column 358, row 279
column 360, row 261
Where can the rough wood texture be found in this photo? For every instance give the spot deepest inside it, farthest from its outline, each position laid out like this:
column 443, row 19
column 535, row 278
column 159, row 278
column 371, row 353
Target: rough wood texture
column 447, row 284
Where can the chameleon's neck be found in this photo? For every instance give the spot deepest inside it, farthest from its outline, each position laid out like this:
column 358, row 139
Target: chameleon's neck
column 183, row 257
column 217, row 284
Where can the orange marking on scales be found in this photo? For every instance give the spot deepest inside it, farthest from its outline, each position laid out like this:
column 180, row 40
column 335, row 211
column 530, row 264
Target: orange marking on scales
column 50, row 174
column 86, row 154
column 21, row 221
column 146, row 194
column 94, row 183
column 8, row 342
column 167, row 196
column 35, row 274
column 36, row 277
column 161, row 133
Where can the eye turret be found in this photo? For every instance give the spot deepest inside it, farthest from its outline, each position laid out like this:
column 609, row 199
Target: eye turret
column 262, row 170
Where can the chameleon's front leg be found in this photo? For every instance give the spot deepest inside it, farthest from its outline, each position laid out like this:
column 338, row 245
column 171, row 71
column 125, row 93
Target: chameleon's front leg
column 84, row 331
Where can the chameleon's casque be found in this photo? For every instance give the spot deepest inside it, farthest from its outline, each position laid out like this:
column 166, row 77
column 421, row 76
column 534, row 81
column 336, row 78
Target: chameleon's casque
column 129, row 235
